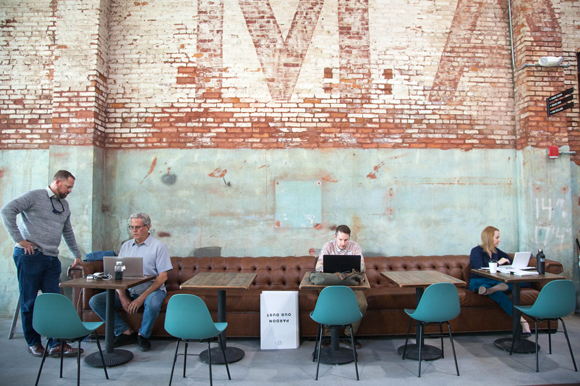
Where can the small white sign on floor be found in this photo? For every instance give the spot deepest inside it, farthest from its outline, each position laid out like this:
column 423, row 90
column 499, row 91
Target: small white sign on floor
column 279, row 328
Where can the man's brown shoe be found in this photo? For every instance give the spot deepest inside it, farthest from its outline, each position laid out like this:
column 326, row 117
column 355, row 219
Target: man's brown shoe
column 67, row 352
column 36, row 350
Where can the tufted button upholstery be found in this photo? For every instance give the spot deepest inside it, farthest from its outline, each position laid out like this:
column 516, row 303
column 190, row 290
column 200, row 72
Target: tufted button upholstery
column 386, row 301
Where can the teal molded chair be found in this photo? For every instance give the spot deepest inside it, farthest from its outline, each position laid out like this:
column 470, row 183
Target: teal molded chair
column 439, row 303
column 55, row 317
column 556, row 300
column 187, row 318
column 336, row 306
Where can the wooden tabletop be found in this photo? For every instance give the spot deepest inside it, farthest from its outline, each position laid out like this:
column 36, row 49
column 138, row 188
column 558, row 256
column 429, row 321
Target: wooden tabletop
column 220, row 280
column 307, row 284
column 124, row 284
column 421, row 278
column 509, row 278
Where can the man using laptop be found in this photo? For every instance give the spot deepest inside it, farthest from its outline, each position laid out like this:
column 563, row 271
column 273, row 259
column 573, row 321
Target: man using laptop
column 342, row 245
column 156, row 262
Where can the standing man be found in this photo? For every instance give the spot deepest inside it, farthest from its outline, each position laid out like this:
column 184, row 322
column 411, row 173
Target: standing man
column 342, row 245
column 45, row 219
column 156, row 262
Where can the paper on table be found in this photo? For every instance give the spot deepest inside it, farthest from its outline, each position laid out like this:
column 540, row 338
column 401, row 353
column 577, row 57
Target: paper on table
column 520, row 272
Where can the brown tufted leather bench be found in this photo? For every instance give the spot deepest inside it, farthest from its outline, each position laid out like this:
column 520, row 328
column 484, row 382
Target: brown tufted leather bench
column 386, row 301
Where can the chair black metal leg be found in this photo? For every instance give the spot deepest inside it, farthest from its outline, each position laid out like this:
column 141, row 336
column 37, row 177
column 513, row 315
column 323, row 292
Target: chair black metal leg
column 101, row 353
column 318, row 337
column 441, row 332
column 174, row 360
column 185, row 358
column 209, row 357
column 549, row 336
column 42, row 362
column 512, row 347
column 221, row 344
column 536, row 334
column 354, row 351
column 569, row 346
column 318, row 355
column 61, row 356
column 420, row 345
column 453, row 348
column 407, row 339
column 79, row 364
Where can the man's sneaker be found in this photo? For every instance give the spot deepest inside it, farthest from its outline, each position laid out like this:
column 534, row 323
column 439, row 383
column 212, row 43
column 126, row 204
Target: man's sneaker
column 125, row 339
column 144, row 344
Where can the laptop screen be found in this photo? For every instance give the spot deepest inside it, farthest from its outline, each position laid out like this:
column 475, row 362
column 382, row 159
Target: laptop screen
column 340, row 263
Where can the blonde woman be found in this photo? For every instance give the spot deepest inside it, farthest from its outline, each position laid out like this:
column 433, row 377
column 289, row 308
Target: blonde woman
column 480, row 257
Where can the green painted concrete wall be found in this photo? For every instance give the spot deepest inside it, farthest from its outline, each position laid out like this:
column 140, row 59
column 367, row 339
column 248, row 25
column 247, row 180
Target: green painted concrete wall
column 397, row 202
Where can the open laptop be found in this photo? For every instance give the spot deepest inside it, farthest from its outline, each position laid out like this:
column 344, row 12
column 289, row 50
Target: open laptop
column 133, row 265
column 340, row 263
column 521, row 260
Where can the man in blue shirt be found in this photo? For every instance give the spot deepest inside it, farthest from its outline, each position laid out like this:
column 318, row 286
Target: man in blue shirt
column 45, row 219
column 156, row 261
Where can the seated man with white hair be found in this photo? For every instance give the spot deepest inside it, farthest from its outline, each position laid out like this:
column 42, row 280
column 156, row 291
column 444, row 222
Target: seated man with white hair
column 156, row 262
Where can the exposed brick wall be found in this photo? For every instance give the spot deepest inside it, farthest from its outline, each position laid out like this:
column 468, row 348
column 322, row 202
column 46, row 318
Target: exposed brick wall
column 570, row 20
column 276, row 74
column 53, row 91
column 538, row 30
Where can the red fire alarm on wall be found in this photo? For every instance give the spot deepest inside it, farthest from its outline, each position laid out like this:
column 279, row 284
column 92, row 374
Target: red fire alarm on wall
column 554, row 151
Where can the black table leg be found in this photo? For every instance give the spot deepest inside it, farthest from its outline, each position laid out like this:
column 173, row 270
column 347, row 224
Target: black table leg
column 521, row 346
column 111, row 356
column 233, row 354
column 428, row 352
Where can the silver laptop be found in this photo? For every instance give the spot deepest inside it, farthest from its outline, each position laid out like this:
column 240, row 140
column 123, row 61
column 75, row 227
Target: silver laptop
column 521, row 260
column 133, row 265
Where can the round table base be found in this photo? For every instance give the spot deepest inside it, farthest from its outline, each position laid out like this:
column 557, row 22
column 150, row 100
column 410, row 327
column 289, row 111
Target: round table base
column 428, row 353
column 521, row 346
column 335, row 357
column 217, row 358
column 116, row 358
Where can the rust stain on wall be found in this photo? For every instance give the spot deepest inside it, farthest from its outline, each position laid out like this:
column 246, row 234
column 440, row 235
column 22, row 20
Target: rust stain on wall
column 218, row 173
column 164, row 234
column 151, row 168
column 329, row 178
column 373, row 175
column 318, row 226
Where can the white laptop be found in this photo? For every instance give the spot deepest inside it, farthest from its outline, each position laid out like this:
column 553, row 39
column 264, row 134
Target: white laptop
column 133, row 265
column 521, row 260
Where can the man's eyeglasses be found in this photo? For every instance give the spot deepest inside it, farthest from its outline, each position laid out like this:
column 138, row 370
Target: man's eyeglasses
column 136, row 227
column 54, row 210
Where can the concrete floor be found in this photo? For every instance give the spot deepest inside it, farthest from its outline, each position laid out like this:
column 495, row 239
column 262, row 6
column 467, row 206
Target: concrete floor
column 480, row 363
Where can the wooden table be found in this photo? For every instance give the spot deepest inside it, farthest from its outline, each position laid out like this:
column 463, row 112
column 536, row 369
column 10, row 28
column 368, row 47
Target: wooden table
column 333, row 354
column 420, row 280
column 112, row 357
column 521, row 346
column 221, row 281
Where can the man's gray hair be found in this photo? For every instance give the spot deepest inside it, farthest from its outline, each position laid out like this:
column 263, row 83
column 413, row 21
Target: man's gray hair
column 143, row 216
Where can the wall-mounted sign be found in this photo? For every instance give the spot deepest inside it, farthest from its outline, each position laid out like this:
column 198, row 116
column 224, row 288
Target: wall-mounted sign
column 560, row 102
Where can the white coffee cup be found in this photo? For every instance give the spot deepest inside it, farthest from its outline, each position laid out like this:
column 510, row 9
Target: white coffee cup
column 492, row 267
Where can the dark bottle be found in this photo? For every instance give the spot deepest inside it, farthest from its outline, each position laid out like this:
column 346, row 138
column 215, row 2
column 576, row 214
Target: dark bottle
column 119, row 270
column 541, row 262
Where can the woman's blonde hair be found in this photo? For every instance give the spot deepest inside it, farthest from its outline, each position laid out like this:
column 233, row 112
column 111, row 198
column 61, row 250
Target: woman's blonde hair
column 487, row 239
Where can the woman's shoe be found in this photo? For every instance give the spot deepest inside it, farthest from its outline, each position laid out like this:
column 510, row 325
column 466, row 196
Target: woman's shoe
column 482, row 290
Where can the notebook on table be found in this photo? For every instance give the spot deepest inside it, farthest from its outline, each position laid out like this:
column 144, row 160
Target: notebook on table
column 133, row 265
column 340, row 263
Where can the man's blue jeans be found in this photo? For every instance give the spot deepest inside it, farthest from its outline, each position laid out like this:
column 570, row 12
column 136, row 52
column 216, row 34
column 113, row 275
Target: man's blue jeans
column 152, row 307
column 36, row 272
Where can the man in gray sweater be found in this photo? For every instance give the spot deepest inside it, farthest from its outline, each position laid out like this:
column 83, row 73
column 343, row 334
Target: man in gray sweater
column 45, row 219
